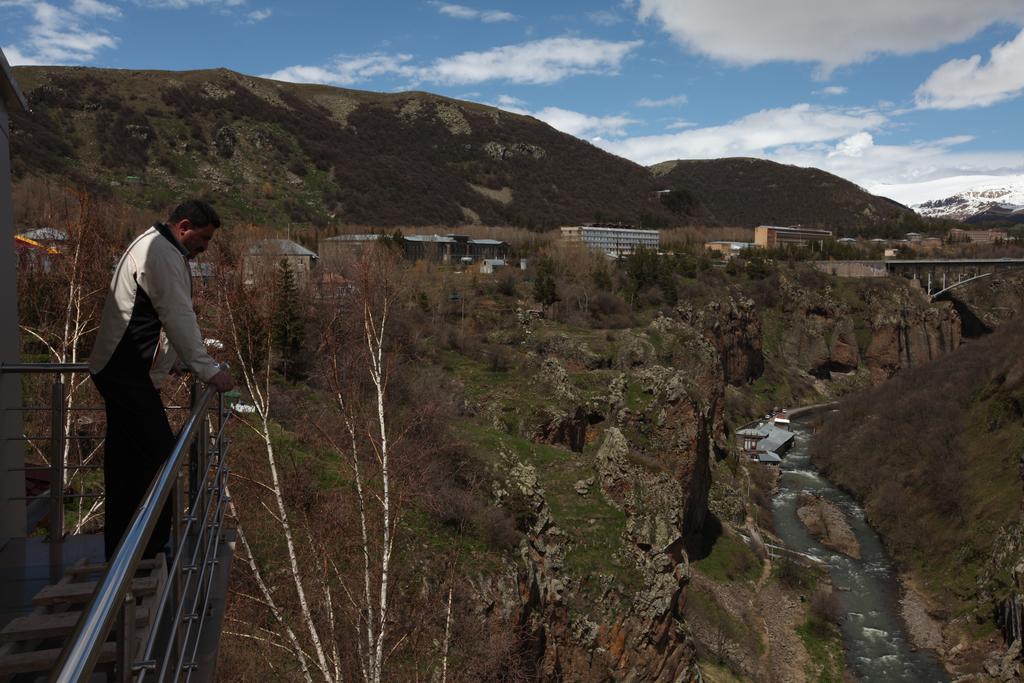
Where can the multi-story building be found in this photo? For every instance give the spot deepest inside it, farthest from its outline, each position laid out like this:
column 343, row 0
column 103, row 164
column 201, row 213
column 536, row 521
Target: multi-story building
column 771, row 236
column 727, row 249
column 440, row 248
column 977, row 236
column 616, row 240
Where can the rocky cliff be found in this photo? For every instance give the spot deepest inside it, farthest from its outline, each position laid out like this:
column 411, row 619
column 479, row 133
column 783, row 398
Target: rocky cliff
column 606, row 444
column 653, row 428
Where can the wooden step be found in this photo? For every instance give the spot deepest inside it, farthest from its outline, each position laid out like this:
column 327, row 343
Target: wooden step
column 44, row 660
column 82, row 592
column 86, row 569
column 39, row 626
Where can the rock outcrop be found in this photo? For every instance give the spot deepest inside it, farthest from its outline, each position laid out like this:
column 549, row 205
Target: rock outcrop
column 894, row 327
column 912, row 336
column 827, row 523
column 646, row 642
column 733, row 327
column 621, row 617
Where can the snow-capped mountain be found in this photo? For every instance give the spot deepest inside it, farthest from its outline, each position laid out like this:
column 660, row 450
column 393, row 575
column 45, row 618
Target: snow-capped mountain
column 1001, row 197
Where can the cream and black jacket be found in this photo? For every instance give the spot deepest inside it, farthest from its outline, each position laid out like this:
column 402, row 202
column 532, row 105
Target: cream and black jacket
column 148, row 321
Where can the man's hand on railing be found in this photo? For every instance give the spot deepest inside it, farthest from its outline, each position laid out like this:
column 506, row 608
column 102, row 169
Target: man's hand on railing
column 223, row 381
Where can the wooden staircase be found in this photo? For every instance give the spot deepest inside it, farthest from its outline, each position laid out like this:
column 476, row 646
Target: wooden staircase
column 32, row 643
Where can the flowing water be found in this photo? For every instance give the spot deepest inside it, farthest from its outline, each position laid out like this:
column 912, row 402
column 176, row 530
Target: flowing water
column 877, row 645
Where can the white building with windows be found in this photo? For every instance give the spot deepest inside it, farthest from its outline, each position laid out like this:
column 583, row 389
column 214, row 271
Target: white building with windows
column 616, row 240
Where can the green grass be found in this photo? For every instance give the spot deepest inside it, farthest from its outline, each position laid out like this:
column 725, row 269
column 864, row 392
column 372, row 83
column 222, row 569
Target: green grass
column 730, row 560
column 593, row 526
column 636, row 398
column 824, row 644
column 713, row 673
column 592, row 383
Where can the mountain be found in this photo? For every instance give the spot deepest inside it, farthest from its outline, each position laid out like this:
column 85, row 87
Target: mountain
column 279, row 153
column 997, row 213
column 272, row 152
column 750, row 192
column 979, row 199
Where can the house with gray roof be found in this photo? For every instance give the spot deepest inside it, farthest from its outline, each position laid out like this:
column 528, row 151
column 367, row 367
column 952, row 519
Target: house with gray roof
column 266, row 255
column 758, row 438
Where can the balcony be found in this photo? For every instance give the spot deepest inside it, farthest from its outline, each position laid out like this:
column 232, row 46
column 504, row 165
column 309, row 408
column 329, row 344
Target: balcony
column 67, row 615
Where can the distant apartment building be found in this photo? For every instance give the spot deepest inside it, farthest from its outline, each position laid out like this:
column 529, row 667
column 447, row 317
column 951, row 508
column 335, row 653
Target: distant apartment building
column 726, row 249
column 448, row 249
column 454, row 248
column 977, row 236
column 771, row 236
column 616, row 240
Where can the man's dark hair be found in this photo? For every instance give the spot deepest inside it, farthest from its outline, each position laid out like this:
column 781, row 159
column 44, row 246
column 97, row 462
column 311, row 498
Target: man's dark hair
column 198, row 212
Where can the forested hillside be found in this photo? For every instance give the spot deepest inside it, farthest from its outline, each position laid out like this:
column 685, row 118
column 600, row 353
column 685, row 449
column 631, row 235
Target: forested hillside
column 935, row 454
column 751, row 192
column 272, row 152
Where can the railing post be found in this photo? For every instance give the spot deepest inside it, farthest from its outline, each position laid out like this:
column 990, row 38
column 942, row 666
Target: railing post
column 179, row 554
column 194, row 452
column 56, row 525
column 125, row 639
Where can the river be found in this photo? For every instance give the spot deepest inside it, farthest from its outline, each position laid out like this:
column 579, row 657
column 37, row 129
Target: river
column 876, row 642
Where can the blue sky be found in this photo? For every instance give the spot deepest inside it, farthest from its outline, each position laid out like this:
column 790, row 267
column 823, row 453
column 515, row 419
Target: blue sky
column 905, row 97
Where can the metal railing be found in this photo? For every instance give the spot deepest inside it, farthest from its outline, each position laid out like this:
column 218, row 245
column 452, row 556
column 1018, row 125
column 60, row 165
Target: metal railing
column 193, row 478
column 57, row 467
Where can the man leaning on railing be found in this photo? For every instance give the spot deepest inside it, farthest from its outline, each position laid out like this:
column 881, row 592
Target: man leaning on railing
column 148, row 322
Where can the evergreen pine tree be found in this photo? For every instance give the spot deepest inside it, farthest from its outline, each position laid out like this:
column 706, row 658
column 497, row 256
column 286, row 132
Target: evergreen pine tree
column 288, row 328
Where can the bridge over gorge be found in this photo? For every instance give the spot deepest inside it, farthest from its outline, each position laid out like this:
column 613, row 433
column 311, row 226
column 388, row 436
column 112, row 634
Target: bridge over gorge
column 937, row 276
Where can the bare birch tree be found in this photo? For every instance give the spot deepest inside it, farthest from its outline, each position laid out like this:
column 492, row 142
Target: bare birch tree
column 246, row 311
column 61, row 292
column 372, row 301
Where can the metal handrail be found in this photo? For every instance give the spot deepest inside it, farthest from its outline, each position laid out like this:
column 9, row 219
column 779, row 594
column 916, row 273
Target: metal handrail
column 43, row 367
column 79, row 658
column 57, row 438
column 196, row 539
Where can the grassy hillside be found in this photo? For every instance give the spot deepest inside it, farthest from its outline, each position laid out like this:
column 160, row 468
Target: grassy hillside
column 750, row 192
column 281, row 153
column 278, row 152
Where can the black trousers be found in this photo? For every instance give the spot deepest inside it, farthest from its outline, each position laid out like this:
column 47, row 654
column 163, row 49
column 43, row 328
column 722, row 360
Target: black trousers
column 139, row 440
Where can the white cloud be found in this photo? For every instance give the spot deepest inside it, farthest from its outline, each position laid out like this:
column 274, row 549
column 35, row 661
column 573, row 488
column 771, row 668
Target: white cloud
column 582, row 125
column 568, row 121
column 680, row 125
column 510, row 103
column 897, row 171
column 463, row 12
column 348, row 70
column 185, row 4
column 962, row 83
column 16, row 58
column 604, row 18
column 840, row 141
column 58, row 35
column 830, row 33
column 833, row 90
column 95, row 8
column 854, row 146
column 673, row 101
column 538, row 62
column 752, row 135
column 259, row 15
